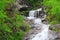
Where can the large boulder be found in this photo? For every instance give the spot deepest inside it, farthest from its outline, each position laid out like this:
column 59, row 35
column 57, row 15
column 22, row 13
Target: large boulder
column 56, row 27
column 52, row 35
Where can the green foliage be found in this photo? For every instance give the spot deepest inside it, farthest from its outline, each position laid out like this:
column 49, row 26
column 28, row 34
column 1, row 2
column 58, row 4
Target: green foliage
column 4, row 2
column 53, row 10
column 10, row 26
column 35, row 3
column 54, row 29
column 11, row 36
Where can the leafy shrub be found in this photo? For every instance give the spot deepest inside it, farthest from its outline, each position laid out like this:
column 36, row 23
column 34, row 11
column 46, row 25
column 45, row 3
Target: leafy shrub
column 10, row 22
column 35, row 3
column 53, row 10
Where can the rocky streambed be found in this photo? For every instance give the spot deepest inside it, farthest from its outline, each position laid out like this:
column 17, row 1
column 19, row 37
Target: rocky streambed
column 39, row 30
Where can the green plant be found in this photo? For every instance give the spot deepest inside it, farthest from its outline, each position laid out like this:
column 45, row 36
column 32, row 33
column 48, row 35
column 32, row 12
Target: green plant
column 53, row 10
column 10, row 22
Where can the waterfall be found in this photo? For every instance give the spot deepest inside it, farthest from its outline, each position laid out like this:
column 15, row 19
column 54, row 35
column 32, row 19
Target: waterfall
column 31, row 13
column 43, row 35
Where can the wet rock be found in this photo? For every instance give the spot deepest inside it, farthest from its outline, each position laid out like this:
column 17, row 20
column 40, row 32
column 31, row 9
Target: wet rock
column 58, row 30
column 21, row 5
column 31, row 31
column 58, row 35
column 56, row 25
column 39, row 28
column 52, row 35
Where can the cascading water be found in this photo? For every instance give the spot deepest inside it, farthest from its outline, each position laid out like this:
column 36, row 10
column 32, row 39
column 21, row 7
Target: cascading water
column 31, row 14
column 40, row 31
column 43, row 35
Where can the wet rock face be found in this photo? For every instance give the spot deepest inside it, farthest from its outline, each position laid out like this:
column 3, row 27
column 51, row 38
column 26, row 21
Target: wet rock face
column 21, row 5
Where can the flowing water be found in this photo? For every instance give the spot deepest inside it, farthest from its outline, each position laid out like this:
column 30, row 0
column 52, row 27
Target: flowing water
column 31, row 14
column 43, row 35
column 40, row 30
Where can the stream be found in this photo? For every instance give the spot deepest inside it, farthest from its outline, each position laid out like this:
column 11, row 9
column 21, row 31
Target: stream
column 39, row 30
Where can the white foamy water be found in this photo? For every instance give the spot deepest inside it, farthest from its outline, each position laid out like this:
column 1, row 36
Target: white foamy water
column 39, row 9
column 30, row 18
column 37, row 21
column 31, row 13
column 43, row 35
